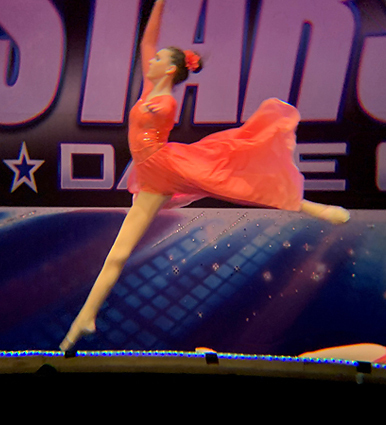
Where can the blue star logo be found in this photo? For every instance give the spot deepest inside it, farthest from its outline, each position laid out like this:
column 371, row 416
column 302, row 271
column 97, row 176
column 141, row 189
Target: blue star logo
column 24, row 169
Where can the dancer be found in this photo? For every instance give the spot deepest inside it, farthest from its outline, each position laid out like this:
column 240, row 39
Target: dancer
column 251, row 165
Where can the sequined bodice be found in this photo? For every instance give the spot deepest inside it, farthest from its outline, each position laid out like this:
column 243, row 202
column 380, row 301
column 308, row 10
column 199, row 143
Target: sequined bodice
column 149, row 131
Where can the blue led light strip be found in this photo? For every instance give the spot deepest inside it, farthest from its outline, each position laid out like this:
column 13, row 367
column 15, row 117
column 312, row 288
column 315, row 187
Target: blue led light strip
column 227, row 356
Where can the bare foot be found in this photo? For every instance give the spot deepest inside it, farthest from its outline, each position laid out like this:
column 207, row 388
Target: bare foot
column 335, row 215
column 78, row 330
column 331, row 213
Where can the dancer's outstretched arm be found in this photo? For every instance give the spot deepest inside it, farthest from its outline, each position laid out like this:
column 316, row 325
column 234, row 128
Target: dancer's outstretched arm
column 134, row 226
column 149, row 43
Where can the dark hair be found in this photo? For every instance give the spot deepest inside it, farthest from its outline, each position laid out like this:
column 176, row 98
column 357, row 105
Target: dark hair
column 182, row 72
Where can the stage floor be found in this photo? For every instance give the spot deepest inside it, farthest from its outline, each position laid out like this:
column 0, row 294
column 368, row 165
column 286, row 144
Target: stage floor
column 191, row 363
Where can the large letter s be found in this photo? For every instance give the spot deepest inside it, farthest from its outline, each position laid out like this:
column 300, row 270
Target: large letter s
column 36, row 31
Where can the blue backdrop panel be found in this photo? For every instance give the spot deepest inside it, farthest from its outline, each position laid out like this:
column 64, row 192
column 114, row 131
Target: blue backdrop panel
column 235, row 280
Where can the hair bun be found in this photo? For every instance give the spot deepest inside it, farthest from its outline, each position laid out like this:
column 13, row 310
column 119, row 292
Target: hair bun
column 193, row 61
column 185, row 61
column 198, row 69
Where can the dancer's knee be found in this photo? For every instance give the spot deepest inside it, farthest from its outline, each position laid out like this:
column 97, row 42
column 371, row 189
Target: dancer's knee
column 137, row 221
column 116, row 259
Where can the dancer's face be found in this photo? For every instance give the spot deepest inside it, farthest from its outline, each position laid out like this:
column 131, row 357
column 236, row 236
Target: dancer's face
column 161, row 65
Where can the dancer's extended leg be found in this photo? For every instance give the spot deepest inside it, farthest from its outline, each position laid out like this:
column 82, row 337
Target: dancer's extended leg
column 335, row 215
column 137, row 221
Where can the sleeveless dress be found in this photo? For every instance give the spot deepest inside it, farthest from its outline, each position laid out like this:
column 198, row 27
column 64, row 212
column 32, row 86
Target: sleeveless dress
column 251, row 165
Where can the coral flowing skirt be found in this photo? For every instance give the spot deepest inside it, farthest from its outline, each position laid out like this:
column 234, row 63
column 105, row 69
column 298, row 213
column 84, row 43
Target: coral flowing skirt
column 250, row 165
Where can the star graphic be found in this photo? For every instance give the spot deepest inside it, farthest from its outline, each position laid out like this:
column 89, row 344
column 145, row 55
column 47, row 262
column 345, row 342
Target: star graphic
column 24, row 169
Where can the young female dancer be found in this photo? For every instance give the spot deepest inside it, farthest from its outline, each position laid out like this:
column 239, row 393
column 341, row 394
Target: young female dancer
column 252, row 165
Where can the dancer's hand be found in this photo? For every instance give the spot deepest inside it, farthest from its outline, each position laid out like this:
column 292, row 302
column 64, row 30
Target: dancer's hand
column 152, row 107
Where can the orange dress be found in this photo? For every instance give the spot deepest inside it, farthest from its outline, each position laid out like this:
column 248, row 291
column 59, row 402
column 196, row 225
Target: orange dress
column 250, row 165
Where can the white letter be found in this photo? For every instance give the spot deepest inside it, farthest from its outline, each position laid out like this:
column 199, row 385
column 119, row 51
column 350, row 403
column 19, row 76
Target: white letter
column 320, row 166
column 372, row 78
column 381, row 167
column 66, row 166
column 218, row 83
column 36, row 28
column 277, row 48
column 110, row 60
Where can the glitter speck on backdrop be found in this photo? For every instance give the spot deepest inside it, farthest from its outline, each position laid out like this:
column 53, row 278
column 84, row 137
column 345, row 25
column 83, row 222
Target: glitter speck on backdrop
column 252, row 281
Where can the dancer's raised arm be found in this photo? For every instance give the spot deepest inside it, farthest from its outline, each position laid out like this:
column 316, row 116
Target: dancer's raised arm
column 149, row 43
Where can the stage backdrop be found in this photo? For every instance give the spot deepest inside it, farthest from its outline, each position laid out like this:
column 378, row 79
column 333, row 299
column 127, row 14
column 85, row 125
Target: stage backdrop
column 70, row 73
column 232, row 279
